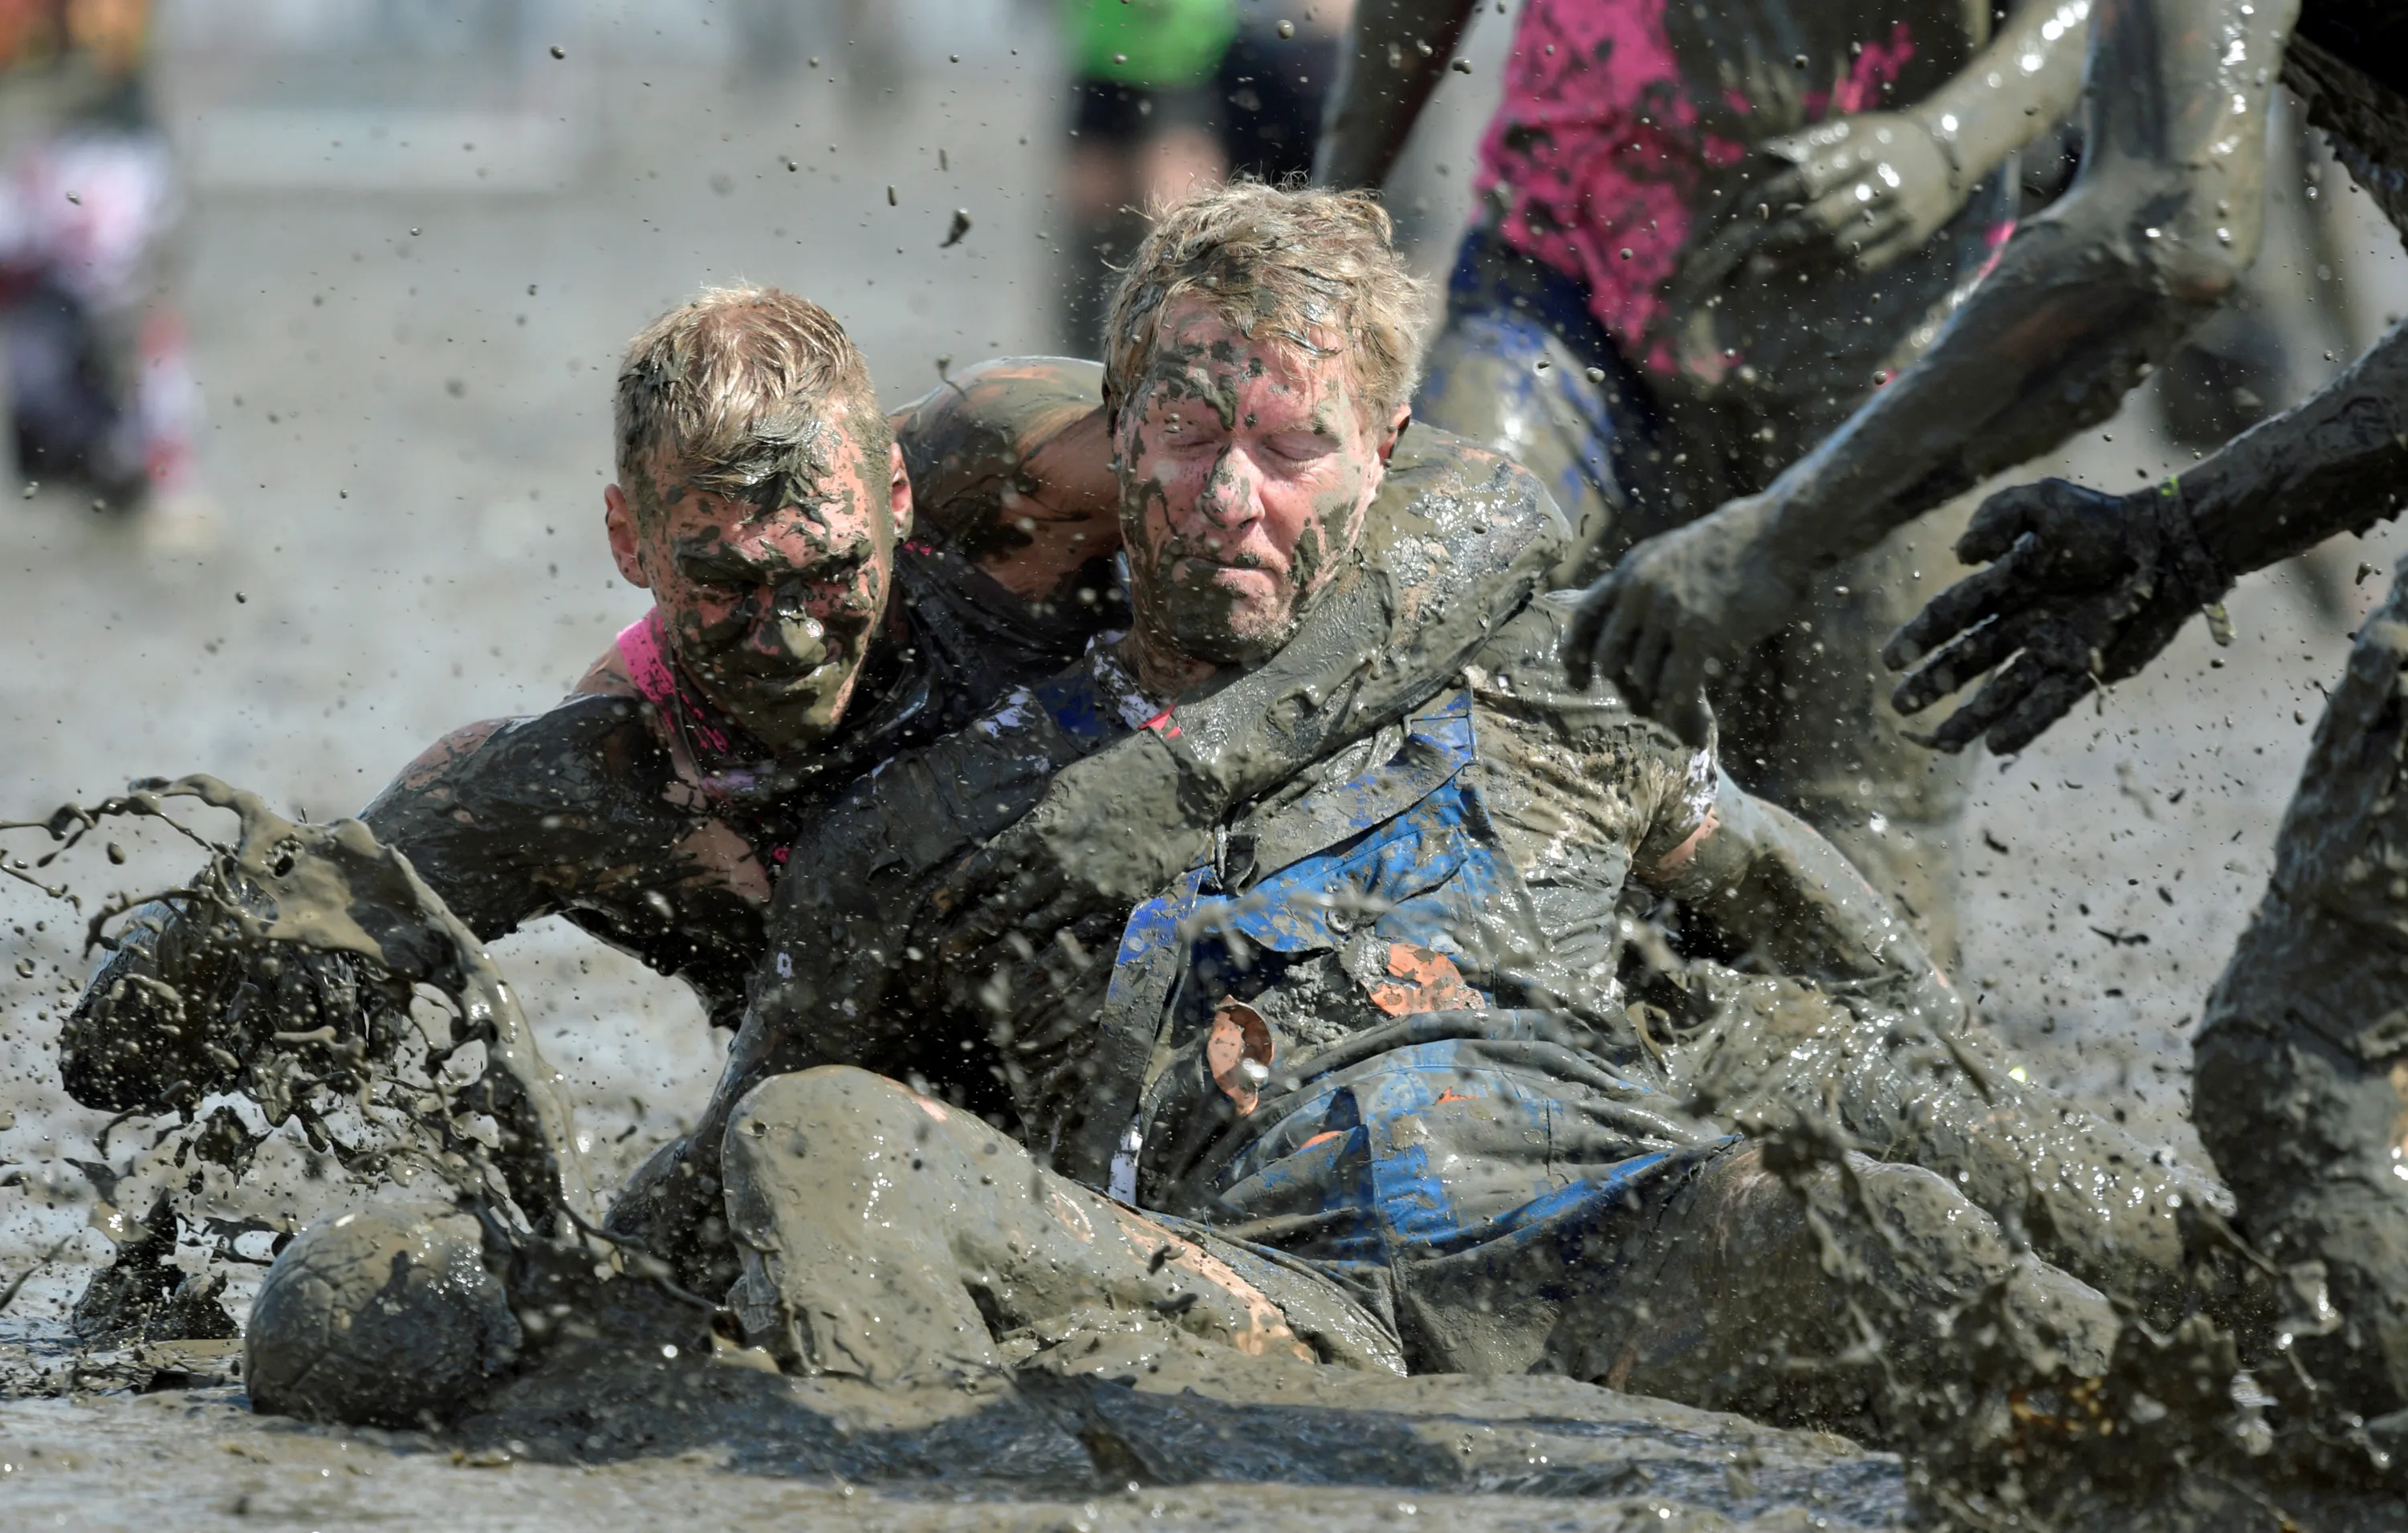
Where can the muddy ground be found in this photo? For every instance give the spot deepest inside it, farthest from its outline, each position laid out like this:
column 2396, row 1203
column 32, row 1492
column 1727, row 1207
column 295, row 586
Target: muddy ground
column 407, row 392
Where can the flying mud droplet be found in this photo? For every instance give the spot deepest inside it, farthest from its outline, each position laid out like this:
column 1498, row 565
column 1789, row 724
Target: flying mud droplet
column 1461, row 67
column 1286, row 30
column 558, row 51
column 961, row 225
column 891, row 201
column 77, row 200
column 240, row 597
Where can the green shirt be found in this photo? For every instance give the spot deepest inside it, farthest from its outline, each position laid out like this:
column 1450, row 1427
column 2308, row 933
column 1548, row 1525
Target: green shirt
column 1148, row 42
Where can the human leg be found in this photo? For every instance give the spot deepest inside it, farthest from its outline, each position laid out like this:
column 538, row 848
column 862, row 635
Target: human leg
column 1856, row 1295
column 2086, row 1195
column 888, row 1236
column 1511, row 370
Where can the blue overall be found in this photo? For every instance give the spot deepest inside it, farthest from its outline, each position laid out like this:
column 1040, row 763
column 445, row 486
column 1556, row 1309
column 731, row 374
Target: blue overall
column 1457, row 1130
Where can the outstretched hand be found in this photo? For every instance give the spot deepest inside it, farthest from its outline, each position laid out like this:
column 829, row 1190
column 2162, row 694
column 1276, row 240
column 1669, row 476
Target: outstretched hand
column 2086, row 588
column 1680, row 608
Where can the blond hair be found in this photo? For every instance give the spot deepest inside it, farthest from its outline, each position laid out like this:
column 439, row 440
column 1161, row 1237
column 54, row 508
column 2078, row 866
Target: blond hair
column 736, row 387
column 1281, row 262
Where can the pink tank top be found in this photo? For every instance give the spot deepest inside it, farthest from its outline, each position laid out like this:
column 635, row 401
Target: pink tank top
column 1607, row 149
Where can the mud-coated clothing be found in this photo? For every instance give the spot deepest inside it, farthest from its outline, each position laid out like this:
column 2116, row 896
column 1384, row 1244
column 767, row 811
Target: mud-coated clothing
column 1806, row 718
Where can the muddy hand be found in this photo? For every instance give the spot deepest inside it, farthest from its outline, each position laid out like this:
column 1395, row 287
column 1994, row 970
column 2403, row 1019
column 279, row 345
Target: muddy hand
column 1860, row 192
column 2086, row 588
column 1679, row 610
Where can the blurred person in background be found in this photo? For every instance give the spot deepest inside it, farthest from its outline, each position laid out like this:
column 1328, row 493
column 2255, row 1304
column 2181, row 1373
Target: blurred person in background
column 1274, row 80
column 99, row 385
column 1704, row 236
column 1143, row 123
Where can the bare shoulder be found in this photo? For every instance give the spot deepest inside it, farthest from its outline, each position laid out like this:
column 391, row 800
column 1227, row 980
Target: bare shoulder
column 430, row 765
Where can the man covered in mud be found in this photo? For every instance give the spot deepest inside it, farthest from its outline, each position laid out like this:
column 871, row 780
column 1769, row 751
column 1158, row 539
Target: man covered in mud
column 1367, row 1064
column 1702, row 235
column 803, row 630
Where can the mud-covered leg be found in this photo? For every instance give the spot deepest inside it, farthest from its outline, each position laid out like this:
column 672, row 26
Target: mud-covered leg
column 2301, row 1070
column 2086, row 1195
column 887, row 1236
column 1498, row 375
column 1862, row 1296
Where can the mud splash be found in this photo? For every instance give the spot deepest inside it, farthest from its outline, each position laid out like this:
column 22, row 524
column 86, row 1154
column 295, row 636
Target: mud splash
column 300, row 888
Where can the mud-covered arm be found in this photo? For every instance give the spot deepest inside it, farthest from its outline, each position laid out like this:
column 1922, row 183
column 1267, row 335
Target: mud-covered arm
column 1785, row 897
column 1457, row 542
column 2090, row 586
column 1389, row 60
column 2338, row 463
column 2036, row 60
column 2164, row 217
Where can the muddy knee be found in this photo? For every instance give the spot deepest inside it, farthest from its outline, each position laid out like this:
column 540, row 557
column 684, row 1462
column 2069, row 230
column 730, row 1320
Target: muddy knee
column 380, row 1318
column 836, row 1114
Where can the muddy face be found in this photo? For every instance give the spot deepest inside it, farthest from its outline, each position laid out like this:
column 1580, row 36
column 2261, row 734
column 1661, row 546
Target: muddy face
column 1245, row 468
column 771, row 593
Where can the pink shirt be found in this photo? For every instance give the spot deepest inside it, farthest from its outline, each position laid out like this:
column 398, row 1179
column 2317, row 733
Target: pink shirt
column 1609, row 146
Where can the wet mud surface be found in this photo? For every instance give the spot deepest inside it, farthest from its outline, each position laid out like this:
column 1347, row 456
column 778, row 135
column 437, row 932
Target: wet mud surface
column 127, row 1439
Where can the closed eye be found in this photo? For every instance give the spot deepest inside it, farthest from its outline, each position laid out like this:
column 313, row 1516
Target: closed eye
column 1300, row 445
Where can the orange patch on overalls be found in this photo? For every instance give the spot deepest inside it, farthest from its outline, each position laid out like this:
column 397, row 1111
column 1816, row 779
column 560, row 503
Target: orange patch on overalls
column 1420, row 979
column 1239, row 1054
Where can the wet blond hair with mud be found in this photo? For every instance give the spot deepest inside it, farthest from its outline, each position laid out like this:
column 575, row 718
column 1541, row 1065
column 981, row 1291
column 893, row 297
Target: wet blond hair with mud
column 1286, row 264
column 739, row 388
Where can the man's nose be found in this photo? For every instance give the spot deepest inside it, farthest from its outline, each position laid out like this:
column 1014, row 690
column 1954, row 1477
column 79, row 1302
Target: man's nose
column 1232, row 494
column 788, row 621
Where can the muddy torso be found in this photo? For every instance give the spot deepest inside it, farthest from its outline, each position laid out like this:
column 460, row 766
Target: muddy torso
column 1624, row 122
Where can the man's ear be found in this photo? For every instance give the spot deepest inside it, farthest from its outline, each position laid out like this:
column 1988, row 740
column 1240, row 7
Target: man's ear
column 618, row 521
column 1396, row 428
column 898, row 493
